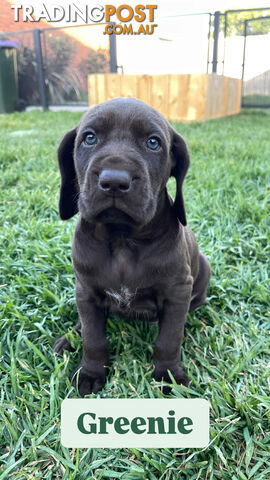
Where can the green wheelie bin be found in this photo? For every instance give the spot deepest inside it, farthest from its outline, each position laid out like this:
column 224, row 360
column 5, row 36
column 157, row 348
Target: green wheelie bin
column 8, row 76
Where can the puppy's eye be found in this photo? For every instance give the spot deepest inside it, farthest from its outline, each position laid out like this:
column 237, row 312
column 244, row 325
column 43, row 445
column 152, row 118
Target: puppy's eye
column 90, row 139
column 153, row 143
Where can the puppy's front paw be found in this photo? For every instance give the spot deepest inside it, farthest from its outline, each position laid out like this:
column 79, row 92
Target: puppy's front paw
column 88, row 381
column 161, row 374
column 62, row 344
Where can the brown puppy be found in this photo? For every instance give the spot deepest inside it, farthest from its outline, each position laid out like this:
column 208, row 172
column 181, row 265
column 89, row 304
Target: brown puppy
column 132, row 252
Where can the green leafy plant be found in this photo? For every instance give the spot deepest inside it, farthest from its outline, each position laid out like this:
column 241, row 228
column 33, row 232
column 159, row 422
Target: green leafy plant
column 27, row 75
column 65, row 79
column 96, row 62
column 63, row 82
column 235, row 22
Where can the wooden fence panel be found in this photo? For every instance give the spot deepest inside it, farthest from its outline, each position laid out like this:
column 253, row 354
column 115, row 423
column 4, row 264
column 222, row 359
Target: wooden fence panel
column 129, row 85
column 216, row 94
column 186, row 97
column 113, row 86
column 144, row 88
column 196, row 100
column 160, row 93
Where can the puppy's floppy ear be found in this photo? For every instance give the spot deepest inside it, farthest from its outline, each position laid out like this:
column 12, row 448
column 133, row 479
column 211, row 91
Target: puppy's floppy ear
column 180, row 164
column 69, row 185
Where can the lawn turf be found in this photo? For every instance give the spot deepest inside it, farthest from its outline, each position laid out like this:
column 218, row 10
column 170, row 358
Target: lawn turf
column 226, row 348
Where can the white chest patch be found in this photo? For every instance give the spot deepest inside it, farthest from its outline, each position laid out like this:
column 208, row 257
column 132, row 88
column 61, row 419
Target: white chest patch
column 123, row 298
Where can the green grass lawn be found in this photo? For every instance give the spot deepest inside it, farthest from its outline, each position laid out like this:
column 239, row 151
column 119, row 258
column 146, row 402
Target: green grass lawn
column 226, row 347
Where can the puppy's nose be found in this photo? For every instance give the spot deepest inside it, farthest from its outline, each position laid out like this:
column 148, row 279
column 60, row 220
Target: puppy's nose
column 114, row 180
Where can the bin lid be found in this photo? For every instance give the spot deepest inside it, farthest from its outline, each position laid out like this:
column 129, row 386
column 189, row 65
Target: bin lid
column 5, row 43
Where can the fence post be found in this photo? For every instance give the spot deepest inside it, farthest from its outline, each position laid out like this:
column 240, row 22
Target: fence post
column 113, row 61
column 209, row 36
column 216, row 35
column 244, row 59
column 40, row 71
column 244, row 49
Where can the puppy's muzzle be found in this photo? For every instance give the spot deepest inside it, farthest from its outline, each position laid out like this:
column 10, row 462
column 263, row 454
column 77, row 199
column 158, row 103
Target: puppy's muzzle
column 114, row 181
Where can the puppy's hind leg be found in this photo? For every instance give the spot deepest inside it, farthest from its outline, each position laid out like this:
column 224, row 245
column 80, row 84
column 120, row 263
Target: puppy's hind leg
column 63, row 344
column 201, row 283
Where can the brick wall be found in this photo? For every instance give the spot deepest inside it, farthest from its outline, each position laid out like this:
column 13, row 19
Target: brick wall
column 7, row 24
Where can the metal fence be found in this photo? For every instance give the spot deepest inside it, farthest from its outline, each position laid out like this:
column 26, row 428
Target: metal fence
column 243, row 46
column 53, row 63
column 256, row 79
